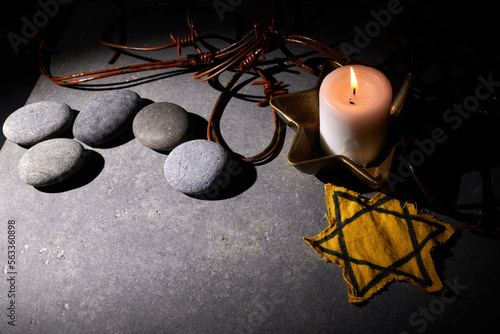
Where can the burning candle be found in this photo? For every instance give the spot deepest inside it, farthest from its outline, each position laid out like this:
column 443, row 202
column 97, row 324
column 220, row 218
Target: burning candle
column 354, row 104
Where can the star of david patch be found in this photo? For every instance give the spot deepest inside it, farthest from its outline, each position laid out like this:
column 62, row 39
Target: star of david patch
column 378, row 241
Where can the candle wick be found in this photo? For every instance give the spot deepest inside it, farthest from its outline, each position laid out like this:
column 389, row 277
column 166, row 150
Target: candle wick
column 354, row 91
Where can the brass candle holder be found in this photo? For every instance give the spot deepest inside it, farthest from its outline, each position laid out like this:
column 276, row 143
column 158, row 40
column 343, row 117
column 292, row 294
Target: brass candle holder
column 300, row 111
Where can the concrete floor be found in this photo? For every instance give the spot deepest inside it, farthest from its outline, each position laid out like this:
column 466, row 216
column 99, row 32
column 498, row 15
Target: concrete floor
column 117, row 250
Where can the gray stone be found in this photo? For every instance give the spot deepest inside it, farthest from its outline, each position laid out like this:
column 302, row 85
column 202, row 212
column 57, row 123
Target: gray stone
column 162, row 126
column 37, row 122
column 106, row 117
column 196, row 166
column 51, row 161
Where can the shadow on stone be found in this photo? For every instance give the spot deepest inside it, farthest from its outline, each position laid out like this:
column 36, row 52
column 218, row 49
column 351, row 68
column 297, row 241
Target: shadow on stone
column 91, row 168
column 200, row 126
column 199, row 130
column 343, row 177
column 239, row 177
column 124, row 134
column 67, row 132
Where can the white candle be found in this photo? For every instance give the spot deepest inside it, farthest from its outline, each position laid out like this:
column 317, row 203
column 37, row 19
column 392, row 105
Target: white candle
column 353, row 117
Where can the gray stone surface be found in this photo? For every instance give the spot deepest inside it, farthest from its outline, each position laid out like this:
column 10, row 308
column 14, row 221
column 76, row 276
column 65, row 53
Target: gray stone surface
column 51, row 161
column 106, row 117
column 162, row 126
column 195, row 166
column 127, row 253
column 36, row 122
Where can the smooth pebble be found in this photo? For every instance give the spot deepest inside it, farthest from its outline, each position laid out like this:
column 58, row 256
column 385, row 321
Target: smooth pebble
column 195, row 166
column 106, row 117
column 51, row 161
column 37, row 122
column 162, row 126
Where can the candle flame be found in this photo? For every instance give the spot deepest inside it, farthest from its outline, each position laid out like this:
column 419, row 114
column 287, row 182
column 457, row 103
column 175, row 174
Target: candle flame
column 354, row 82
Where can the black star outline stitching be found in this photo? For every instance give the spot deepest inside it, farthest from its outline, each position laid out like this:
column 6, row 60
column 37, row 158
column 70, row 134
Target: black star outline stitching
column 367, row 206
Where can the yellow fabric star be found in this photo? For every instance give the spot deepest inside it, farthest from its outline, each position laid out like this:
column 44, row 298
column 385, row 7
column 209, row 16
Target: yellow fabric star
column 379, row 240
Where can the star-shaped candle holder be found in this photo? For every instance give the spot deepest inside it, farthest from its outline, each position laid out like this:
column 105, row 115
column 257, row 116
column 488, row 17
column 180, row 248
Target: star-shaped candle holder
column 300, row 110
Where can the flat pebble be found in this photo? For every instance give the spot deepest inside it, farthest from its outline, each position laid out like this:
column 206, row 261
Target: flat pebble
column 162, row 126
column 195, row 166
column 51, row 161
column 106, row 117
column 37, row 122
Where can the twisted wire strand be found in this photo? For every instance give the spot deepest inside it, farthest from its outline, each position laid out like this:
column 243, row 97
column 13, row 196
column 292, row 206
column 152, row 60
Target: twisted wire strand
column 213, row 129
column 250, row 61
column 320, row 47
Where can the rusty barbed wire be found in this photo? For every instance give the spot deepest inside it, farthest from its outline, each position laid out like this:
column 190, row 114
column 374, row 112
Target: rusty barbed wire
column 242, row 56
